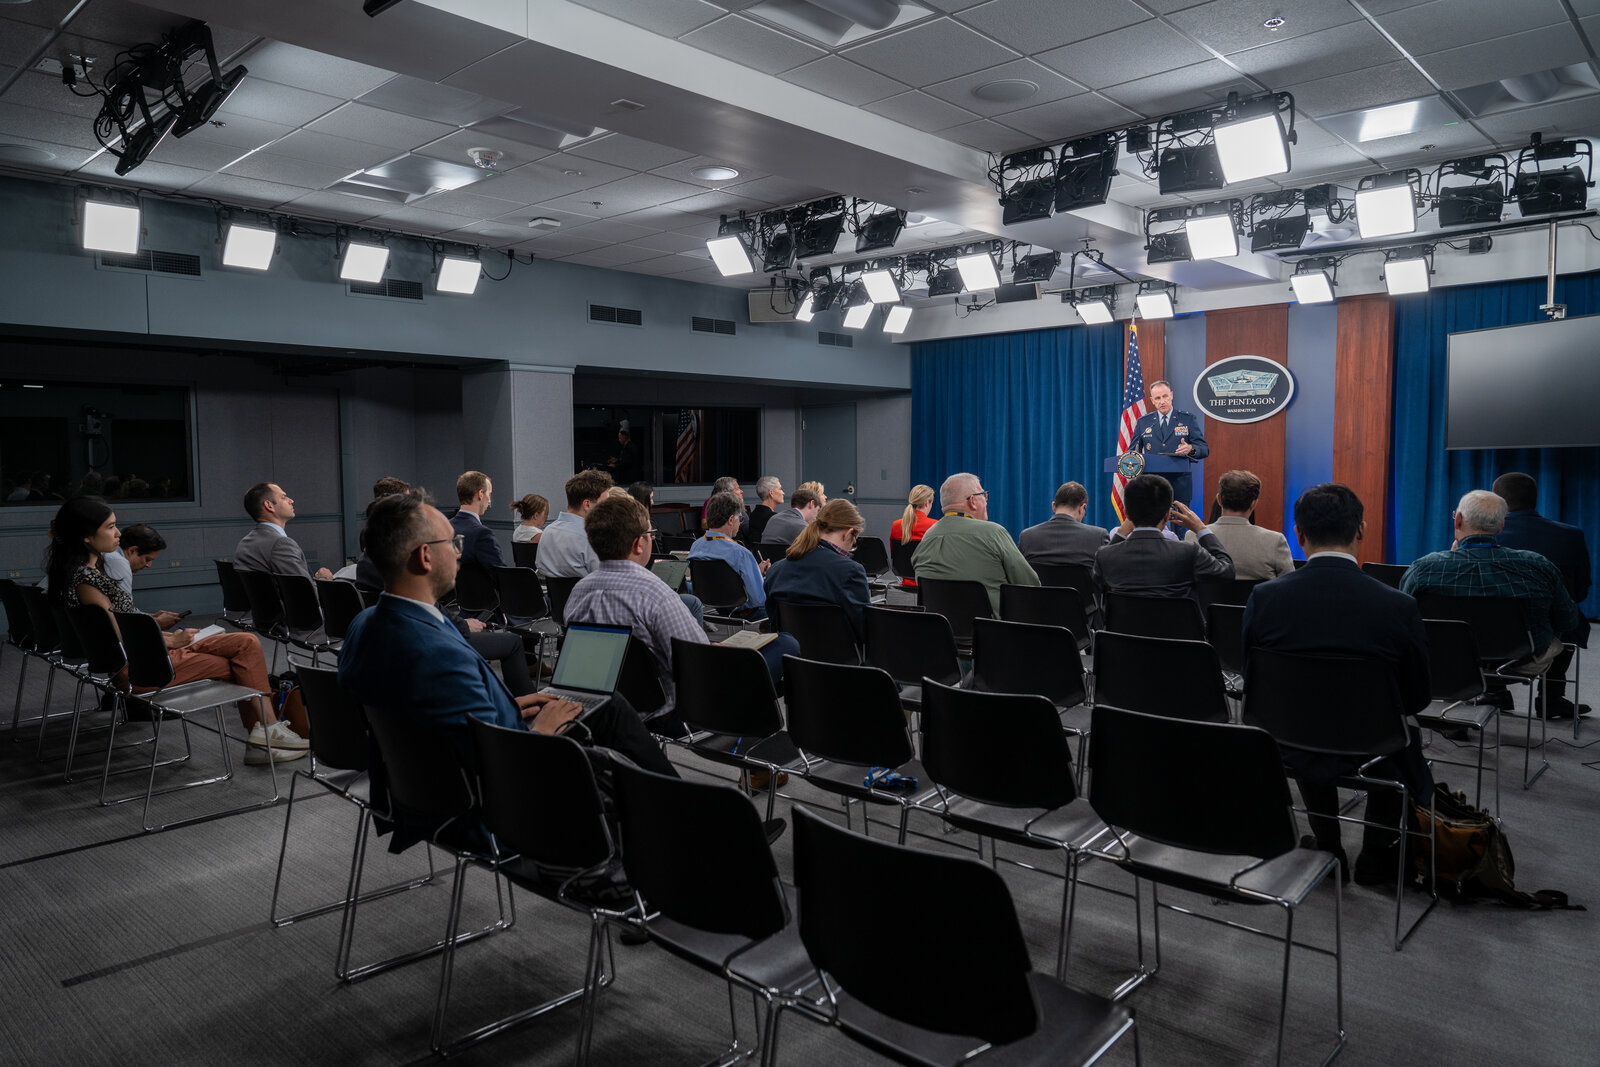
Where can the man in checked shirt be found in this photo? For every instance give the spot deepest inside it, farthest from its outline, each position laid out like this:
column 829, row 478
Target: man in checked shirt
column 1477, row 564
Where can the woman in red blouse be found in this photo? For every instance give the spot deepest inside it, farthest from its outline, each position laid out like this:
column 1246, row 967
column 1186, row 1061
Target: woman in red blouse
column 915, row 519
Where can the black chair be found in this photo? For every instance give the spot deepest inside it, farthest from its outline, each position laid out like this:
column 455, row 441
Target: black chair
column 266, row 603
column 958, row 601
column 852, row 736
column 302, row 615
column 521, row 594
column 47, row 648
column 1225, row 631
column 872, row 555
column 1074, row 577
column 697, row 855
column 1173, row 679
column 1239, row 845
column 678, row 542
column 1025, row 657
column 340, row 747
column 1233, row 591
column 954, row 990
column 149, row 666
column 19, row 636
column 769, row 550
column 94, row 632
column 1455, row 681
column 900, row 559
column 726, row 701
column 1390, row 574
column 341, row 603
column 559, row 589
column 570, row 859
column 823, row 630
column 476, row 594
column 1299, row 563
column 640, row 681
column 911, row 646
column 525, row 554
column 1003, row 770
column 73, row 658
column 235, row 601
column 1342, row 706
column 1175, row 617
column 718, row 585
column 1048, row 605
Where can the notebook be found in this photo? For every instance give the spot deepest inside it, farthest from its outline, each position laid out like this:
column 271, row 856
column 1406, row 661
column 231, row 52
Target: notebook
column 589, row 665
column 671, row 571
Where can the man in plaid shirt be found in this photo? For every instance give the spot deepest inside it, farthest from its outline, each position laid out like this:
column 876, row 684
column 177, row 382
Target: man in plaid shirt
column 1477, row 564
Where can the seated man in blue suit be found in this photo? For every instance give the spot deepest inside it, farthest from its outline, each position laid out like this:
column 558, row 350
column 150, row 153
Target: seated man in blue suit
column 403, row 658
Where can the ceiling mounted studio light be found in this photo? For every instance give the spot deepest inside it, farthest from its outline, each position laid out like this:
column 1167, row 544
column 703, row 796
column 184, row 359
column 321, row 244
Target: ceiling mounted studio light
column 1213, row 230
column 1028, row 185
column 880, row 231
column 730, row 249
column 1155, row 301
column 977, row 272
column 897, row 319
column 1313, row 281
column 859, row 307
column 363, row 263
column 458, row 274
column 1406, row 271
column 819, row 234
column 1539, row 191
column 249, row 247
column 944, row 281
column 1084, row 173
column 880, row 283
column 1039, row 267
column 1386, row 204
column 1250, row 139
column 1478, row 203
column 110, row 227
column 1094, row 306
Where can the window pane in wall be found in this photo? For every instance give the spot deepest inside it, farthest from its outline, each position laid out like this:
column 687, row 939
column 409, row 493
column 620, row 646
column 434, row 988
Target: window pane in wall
column 61, row 439
column 668, row 446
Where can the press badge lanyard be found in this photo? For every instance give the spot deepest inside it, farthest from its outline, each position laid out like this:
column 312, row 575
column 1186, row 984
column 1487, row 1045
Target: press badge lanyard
column 963, row 514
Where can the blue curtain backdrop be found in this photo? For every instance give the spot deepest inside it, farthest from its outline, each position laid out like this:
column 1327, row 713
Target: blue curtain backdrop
column 1426, row 481
column 1024, row 412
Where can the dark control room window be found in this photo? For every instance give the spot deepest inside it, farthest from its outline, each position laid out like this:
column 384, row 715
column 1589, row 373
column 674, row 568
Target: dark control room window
column 669, row 446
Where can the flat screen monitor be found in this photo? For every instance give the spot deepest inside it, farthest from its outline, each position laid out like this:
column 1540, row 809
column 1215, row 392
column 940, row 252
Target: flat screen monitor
column 1529, row 386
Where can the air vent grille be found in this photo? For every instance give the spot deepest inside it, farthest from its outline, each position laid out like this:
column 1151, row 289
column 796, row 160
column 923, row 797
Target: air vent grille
column 158, row 262
column 837, row 340
column 701, row 324
column 394, row 288
column 616, row 316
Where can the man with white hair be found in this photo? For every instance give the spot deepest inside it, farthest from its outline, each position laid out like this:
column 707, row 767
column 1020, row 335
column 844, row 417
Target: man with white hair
column 769, row 498
column 966, row 546
column 1477, row 564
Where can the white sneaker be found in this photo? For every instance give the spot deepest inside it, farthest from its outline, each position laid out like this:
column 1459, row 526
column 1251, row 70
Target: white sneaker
column 276, row 742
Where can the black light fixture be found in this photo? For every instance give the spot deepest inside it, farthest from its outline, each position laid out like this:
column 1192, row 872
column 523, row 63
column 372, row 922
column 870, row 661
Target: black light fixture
column 1283, row 230
column 1483, row 201
column 1028, row 185
column 776, row 235
column 1213, row 229
column 730, row 249
column 1313, row 280
column 1164, row 238
column 126, row 117
column 1189, row 169
column 1084, row 172
column 1039, row 267
column 1386, row 203
column 1096, row 306
column 374, row 8
column 1250, row 138
column 944, row 281
column 1155, row 300
column 880, row 231
column 196, row 106
column 1538, row 191
column 1406, row 270
column 819, row 234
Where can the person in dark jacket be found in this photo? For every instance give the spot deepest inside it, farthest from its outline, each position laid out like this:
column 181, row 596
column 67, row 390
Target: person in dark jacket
column 817, row 569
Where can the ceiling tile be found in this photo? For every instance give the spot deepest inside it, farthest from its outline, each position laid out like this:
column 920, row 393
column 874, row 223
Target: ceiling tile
column 960, row 91
column 1384, row 84
column 151, row 173
column 716, row 202
column 1135, row 52
column 1234, row 25
column 430, row 100
column 417, row 217
column 241, row 131
column 669, row 18
column 276, row 103
column 614, row 255
column 558, row 244
column 488, row 232
column 1443, row 24
column 1569, row 118
column 952, row 6
column 1383, row 7
column 1181, row 89
column 275, row 168
column 986, row 135
column 190, row 151
column 34, row 88
column 778, row 191
column 376, row 126
column 1505, row 57
column 609, row 231
column 1321, row 159
column 1073, row 117
column 743, row 41
column 942, row 47
column 666, row 218
column 335, row 205
column 683, row 171
column 474, row 202
column 231, row 187
column 629, row 152
column 454, row 148
column 51, row 126
column 921, row 111
column 20, row 41
column 520, row 217
column 66, row 157
column 318, row 72
column 670, row 242
column 837, row 77
column 332, row 151
column 548, row 178
column 635, row 192
column 1316, row 55
column 1032, row 26
column 1447, row 143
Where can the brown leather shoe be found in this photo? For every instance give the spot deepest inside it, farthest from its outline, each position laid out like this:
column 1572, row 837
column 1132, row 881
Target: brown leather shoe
column 756, row 781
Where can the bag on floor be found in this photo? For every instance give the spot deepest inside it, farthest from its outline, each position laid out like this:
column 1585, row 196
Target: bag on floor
column 1473, row 856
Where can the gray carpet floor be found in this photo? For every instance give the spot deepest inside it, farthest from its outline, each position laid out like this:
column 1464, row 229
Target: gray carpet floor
column 123, row 947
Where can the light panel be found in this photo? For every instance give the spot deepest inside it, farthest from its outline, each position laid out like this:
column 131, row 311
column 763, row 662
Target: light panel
column 363, row 263
column 1212, row 237
column 1313, row 287
column 1384, row 211
column 807, row 309
column 110, row 227
column 977, row 272
column 731, row 255
column 459, row 274
column 1155, row 305
column 1251, row 148
column 1094, row 312
column 881, row 288
column 898, row 318
column 857, row 316
column 250, row 247
column 1403, row 276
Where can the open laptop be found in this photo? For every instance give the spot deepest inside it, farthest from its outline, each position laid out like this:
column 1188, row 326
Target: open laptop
column 589, row 665
column 671, row 571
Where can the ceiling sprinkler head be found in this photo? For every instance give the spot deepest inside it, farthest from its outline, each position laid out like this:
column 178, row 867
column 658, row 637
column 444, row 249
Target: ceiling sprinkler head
column 485, row 158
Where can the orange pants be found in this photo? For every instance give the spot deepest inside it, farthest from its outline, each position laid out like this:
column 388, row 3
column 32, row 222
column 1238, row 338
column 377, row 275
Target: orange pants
column 235, row 658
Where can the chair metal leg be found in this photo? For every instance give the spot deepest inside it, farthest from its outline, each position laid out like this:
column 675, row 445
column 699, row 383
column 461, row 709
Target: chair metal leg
column 16, row 710
column 1283, row 995
column 1536, row 710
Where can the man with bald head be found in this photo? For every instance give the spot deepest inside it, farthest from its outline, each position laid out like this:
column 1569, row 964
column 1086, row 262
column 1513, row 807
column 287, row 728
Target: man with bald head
column 966, row 546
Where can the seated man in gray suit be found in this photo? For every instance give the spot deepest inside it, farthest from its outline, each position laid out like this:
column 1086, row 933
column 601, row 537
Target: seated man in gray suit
column 1141, row 562
column 786, row 525
column 1258, row 553
column 267, row 547
column 1064, row 539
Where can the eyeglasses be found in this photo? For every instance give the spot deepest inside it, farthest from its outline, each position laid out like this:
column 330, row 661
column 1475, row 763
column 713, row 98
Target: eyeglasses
column 981, row 495
column 459, row 540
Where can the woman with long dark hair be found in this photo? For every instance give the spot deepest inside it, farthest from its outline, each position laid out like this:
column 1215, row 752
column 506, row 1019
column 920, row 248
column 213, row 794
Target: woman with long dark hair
column 817, row 568
column 84, row 531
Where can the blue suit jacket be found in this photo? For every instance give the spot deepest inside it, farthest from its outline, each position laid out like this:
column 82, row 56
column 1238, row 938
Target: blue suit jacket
column 1149, row 438
column 1557, row 542
column 480, row 545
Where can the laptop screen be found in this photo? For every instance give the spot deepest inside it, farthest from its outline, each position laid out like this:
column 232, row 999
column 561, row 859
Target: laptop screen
column 591, row 658
column 670, row 571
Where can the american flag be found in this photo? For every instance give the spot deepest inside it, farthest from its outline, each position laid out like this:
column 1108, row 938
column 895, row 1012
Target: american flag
column 686, row 466
column 1133, row 408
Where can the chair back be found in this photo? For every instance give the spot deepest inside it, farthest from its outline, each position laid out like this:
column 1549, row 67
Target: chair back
column 1455, row 670
column 46, row 637
column 698, row 854
column 998, row 748
column 341, row 603
column 1155, row 616
column 302, row 607
column 640, row 680
column 678, row 542
column 872, row 555
column 823, row 630
column 1342, row 705
column 525, row 553
column 421, row 776
column 1499, row 624
column 1390, row 574
column 235, row 601
column 72, row 650
column 266, row 605
column 1048, row 605
column 1025, row 657
column 717, row 584
column 1233, row 591
column 98, row 634
column 560, row 589
column 1071, row 575
column 475, row 589
column 339, row 736
column 539, row 797
column 149, row 665
column 845, row 714
column 957, row 600
column 1157, row 778
column 900, row 559
column 898, row 952
column 19, row 630
column 1173, row 679
column 770, row 550
column 724, row 690
column 521, row 595
column 912, row 645
column 1225, row 631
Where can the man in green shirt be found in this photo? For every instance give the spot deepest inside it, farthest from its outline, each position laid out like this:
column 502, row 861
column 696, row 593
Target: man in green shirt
column 966, row 546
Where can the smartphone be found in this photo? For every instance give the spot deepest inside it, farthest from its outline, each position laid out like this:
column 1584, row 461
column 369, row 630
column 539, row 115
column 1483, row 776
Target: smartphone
column 185, row 613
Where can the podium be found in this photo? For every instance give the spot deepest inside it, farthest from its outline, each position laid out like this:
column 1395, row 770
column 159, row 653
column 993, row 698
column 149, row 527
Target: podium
column 1176, row 469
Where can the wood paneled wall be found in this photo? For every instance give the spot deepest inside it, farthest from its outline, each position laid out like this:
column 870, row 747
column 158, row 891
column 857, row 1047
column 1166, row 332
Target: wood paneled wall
column 1253, row 446
column 1364, row 398
column 1152, row 352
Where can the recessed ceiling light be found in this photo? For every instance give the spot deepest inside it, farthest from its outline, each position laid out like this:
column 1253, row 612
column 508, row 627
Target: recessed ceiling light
column 573, row 173
column 716, row 173
column 1275, row 23
column 23, row 153
column 1006, row 90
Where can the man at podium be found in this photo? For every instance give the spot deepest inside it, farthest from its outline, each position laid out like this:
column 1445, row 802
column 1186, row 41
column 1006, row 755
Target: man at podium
column 1172, row 442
